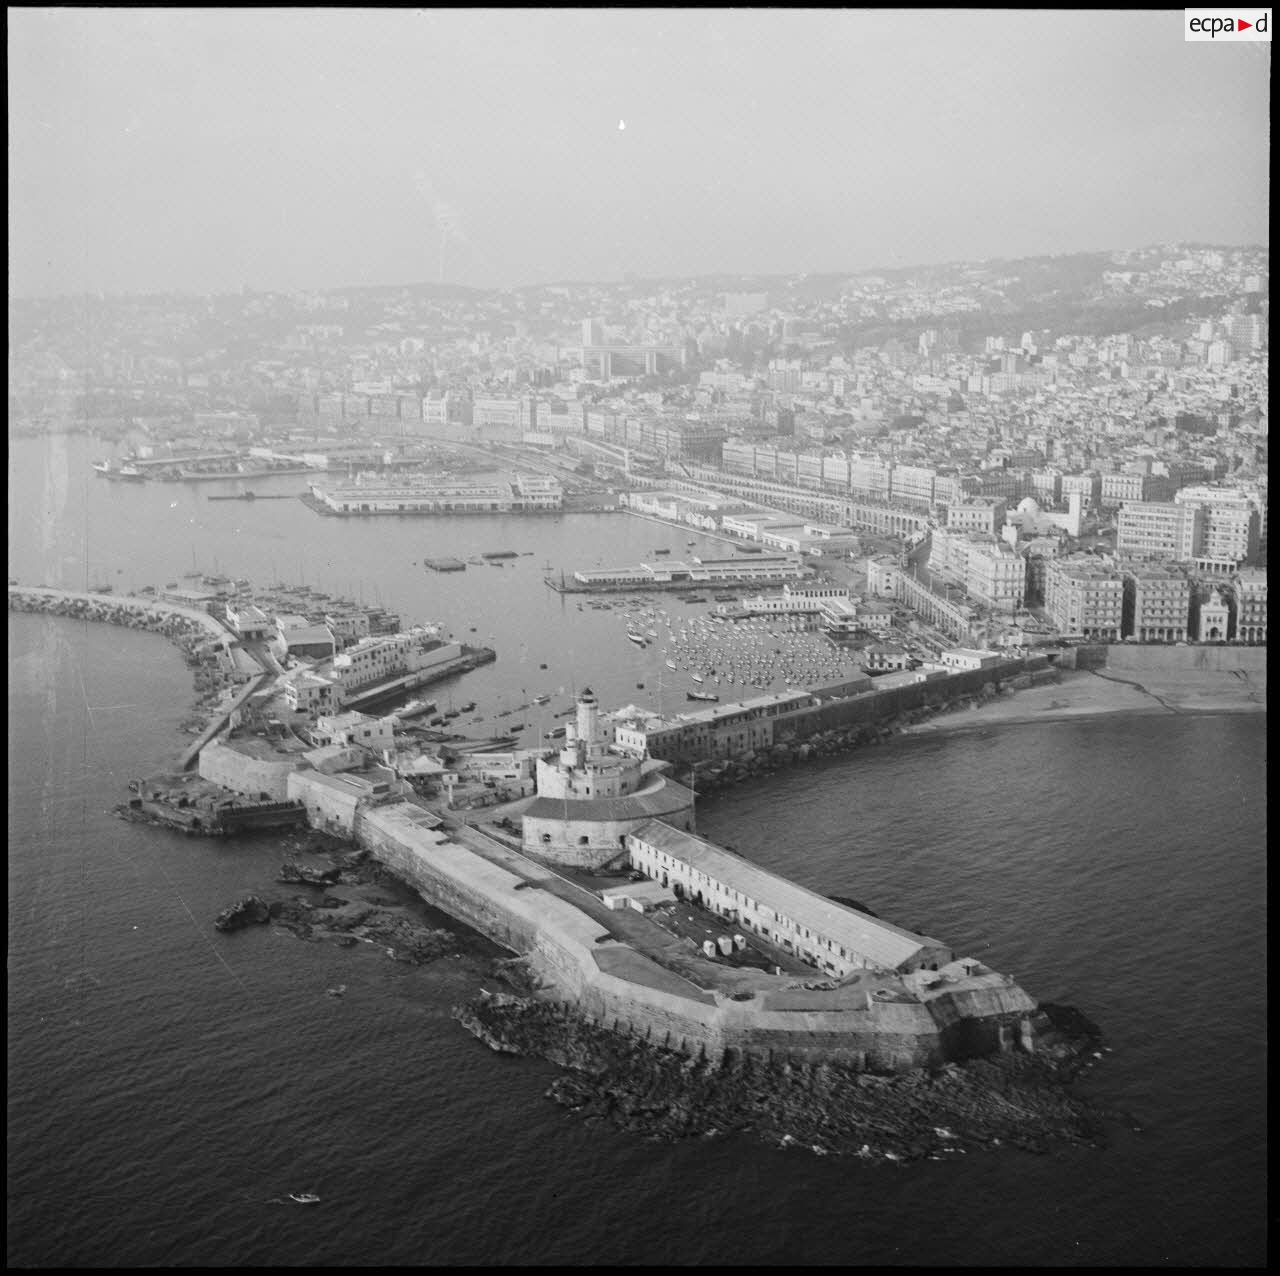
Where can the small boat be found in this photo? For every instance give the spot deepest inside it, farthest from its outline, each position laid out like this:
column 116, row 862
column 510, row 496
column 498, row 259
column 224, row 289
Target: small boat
column 416, row 707
column 540, row 699
column 638, row 639
column 700, row 695
column 304, row 1198
column 671, row 664
column 697, row 677
column 662, row 551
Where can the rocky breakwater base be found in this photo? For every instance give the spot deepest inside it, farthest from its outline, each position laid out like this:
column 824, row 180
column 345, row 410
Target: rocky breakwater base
column 1014, row 1099
column 354, row 901
column 202, row 641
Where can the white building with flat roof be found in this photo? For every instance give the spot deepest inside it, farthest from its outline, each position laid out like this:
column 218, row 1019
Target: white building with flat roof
column 827, row 935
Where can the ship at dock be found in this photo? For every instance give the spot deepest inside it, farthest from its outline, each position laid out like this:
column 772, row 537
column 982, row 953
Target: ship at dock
column 123, row 472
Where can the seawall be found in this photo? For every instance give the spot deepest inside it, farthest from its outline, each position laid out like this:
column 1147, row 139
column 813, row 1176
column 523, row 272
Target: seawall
column 184, row 626
column 117, row 609
column 575, row 960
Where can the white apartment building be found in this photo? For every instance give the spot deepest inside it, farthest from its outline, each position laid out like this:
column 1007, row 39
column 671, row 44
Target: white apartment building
column 1085, row 598
column 827, row 935
column 1157, row 604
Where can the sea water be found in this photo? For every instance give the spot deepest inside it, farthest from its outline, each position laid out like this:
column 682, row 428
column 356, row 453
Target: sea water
column 168, row 1085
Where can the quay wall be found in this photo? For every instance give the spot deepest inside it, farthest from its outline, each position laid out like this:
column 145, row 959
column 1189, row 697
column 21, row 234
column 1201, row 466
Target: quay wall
column 870, row 708
column 564, row 949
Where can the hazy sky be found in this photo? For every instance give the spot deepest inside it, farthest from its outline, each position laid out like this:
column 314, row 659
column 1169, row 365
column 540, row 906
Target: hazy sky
column 210, row 149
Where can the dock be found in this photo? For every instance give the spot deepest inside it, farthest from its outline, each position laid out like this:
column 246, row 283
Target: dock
column 255, row 496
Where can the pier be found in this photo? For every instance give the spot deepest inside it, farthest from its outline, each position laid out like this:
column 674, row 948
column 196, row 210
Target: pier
column 171, row 620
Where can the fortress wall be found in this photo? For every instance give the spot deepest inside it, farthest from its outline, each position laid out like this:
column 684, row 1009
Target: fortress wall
column 561, row 944
column 246, row 775
column 469, row 889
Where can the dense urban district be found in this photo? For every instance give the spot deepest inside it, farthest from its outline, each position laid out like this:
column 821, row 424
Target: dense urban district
column 933, row 487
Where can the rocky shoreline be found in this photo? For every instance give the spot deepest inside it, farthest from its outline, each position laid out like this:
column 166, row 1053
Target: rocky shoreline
column 1017, row 1100
column 200, row 647
column 356, row 915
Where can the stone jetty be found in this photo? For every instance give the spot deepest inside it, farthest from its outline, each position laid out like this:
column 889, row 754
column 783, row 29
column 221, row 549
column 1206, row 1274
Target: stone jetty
column 205, row 643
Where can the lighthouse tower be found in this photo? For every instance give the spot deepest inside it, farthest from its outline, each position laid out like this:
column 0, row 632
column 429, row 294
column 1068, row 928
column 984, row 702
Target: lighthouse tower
column 589, row 797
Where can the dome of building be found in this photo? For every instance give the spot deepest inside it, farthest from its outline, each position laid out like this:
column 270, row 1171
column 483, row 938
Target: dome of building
column 1029, row 505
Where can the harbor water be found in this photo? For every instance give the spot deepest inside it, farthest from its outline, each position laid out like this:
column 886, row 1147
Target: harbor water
column 169, row 1085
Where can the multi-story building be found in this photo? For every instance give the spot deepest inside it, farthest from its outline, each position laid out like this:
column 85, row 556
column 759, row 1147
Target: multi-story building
column 977, row 514
column 997, row 576
column 1232, row 524
column 373, row 660
column 1085, row 598
column 1157, row 604
column 1249, row 588
column 1088, row 485
column 1148, row 530
column 1117, row 489
column 912, row 484
column 718, row 731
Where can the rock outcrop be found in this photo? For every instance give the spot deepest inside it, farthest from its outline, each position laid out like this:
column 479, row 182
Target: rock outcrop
column 1014, row 1099
column 252, row 910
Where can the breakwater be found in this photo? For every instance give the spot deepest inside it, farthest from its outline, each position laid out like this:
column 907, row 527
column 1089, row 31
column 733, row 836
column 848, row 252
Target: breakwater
column 206, row 645
column 839, row 726
column 578, row 961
